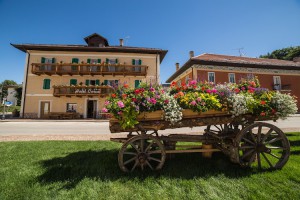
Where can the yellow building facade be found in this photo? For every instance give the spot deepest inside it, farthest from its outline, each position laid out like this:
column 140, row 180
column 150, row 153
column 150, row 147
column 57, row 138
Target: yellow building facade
column 72, row 81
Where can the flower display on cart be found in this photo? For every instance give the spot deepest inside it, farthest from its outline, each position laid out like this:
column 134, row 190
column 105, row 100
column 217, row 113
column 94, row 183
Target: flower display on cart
column 247, row 97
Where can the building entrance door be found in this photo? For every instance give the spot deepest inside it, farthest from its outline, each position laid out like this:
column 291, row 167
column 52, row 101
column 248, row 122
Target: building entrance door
column 92, row 109
column 45, row 109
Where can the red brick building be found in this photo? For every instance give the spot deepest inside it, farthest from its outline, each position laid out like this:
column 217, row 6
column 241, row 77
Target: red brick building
column 273, row 74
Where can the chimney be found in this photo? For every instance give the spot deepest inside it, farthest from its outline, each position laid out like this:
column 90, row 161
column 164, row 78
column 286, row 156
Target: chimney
column 191, row 54
column 177, row 66
column 296, row 59
column 121, row 42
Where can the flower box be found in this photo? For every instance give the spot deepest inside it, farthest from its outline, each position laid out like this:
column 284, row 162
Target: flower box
column 188, row 113
column 155, row 115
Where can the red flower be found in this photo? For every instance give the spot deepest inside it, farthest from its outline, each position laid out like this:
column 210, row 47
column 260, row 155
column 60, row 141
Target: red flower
column 262, row 114
column 134, row 99
column 124, row 96
column 126, row 85
column 113, row 95
column 263, row 103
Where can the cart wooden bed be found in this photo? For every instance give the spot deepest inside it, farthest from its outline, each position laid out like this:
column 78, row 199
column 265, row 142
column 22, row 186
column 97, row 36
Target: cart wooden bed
column 246, row 140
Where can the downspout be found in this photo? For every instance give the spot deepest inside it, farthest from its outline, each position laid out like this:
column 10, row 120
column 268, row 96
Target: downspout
column 156, row 70
column 25, row 87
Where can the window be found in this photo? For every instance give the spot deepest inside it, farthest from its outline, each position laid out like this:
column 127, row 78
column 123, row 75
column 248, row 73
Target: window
column 46, row 85
column 231, row 78
column 74, row 67
column 71, row 107
column 49, row 61
column 277, row 82
column 187, row 78
column 137, row 62
column 137, row 83
column 111, row 62
column 211, row 77
column 92, row 82
column 111, row 82
column 94, row 61
column 73, row 82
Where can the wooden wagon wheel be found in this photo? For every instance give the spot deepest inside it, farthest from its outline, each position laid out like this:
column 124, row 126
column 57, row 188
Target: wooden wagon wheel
column 144, row 151
column 263, row 145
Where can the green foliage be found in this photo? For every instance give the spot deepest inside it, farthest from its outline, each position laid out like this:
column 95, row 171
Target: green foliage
column 3, row 85
column 89, row 170
column 283, row 54
column 18, row 94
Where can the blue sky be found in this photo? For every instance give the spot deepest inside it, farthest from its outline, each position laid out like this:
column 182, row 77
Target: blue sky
column 204, row 26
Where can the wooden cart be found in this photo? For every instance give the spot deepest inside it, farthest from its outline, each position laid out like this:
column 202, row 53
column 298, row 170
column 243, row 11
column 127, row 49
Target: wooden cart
column 246, row 141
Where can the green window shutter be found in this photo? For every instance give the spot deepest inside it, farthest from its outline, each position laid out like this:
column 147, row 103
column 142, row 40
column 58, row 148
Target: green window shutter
column 116, row 60
column 88, row 60
column 137, row 83
column 73, row 82
column 105, row 82
column 43, row 60
column 133, row 61
column 107, row 60
column 53, row 60
column 140, row 62
column 99, row 61
column 97, row 82
column 46, row 84
column 75, row 60
column 87, row 82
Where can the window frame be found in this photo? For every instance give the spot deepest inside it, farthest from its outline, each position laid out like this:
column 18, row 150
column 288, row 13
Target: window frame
column 214, row 75
column 233, row 78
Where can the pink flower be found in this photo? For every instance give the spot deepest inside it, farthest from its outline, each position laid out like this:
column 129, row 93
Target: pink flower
column 106, row 103
column 120, row 113
column 166, row 101
column 193, row 103
column 202, row 103
column 199, row 99
column 192, row 82
column 120, row 104
column 243, row 88
column 153, row 100
column 104, row 110
column 208, row 91
column 152, row 89
column 214, row 91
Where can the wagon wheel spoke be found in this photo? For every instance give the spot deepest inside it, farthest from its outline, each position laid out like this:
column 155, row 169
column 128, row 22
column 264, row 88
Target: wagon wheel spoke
column 155, row 159
column 246, row 147
column 274, row 147
column 268, row 161
column 130, row 160
column 273, row 140
column 149, row 164
column 142, row 145
column 130, row 153
column 134, row 166
column 252, row 136
column 148, row 147
column 142, row 166
column 258, row 160
column 135, row 147
column 245, row 139
column 259, row 134
column 247, row 154
column 267, row 135
column 272, row 154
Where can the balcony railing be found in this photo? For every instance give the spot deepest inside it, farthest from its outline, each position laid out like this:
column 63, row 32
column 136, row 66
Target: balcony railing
column 80, row 91
column 88, row 69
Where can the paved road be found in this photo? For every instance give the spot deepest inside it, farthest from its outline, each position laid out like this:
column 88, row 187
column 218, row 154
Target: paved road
column 32, row 127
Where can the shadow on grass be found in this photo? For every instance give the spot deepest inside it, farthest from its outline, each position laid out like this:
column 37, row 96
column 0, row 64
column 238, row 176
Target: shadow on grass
column 103, row 165
column 295, row 143
column 297, row 152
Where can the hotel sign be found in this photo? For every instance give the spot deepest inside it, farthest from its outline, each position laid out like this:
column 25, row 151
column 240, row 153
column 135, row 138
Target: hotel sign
column 88, row 91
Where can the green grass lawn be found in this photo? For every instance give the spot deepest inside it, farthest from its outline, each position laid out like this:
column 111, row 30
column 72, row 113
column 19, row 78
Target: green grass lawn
column 89, row 170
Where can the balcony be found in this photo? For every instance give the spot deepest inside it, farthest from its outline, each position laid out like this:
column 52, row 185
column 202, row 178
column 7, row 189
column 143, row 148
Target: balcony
column 80, row 91
column 88, row 69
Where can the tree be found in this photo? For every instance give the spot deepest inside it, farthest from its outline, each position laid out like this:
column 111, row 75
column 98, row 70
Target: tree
column 283, row 54
column 4, row 85
column 18, row 94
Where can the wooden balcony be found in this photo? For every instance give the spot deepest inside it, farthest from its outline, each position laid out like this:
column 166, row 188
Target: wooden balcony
column 80, row 91
column 88, row 69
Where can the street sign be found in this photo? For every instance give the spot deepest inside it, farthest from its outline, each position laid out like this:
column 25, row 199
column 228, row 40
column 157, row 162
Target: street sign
column 8, row 103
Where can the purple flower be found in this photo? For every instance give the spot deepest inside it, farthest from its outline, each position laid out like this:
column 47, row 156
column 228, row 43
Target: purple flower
column 193, row 103
column 120, row 104
column 104, row 110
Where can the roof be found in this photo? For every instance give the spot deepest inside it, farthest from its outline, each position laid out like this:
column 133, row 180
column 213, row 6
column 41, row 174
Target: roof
column 236, row 61
column 85, row 48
